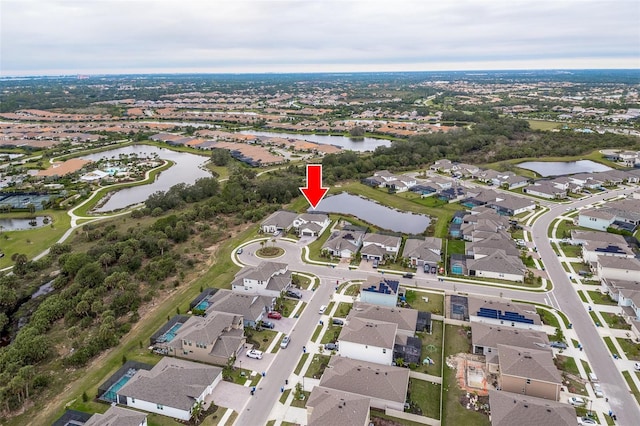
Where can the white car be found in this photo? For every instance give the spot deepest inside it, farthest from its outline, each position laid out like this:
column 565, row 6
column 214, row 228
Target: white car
column 597, row 390
column 586, row 421
column 322, row 309
column 576, row 401
column 254, row 353
column 636, row 366
column 285, row 342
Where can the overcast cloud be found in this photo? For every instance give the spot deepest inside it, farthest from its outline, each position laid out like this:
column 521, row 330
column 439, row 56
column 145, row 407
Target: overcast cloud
column 114, row 36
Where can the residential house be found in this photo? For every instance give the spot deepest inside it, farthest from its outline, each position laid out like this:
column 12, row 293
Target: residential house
column 497, row 312
column 72, row 418
column 497, row 265
column 337, row 408
column 281, row 220
column 266, row 279
column 510, row 205
column 621, row 214
column 171, row 387
column 424, row 253
column 529, row 372
column 465, row 170
column 629, row 300
column 214, row 339
column 117, row 416
column 378, row 246
column 311, row 224
column 444, row 166
column 368, row 340
column 439, row 183
column 343, row 243
column 384, row 384
column 546, row 189
column 252, row 307
column 380, row 291
column 591, row 250
column 510, row 408
column 485, row 338
column 613, row 287
column 618, row 268
column 408, row 320
column 513, row 181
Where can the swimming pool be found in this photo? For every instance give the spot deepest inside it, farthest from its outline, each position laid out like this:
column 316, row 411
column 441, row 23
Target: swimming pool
column 112, row 393
column 171, row 333
column 203, row 305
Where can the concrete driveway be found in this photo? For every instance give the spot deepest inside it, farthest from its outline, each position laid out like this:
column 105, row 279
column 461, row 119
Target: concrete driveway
column 229, row 395
column 259, row 365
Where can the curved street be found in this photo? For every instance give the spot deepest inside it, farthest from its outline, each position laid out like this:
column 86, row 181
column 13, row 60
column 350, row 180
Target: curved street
column 613, row 384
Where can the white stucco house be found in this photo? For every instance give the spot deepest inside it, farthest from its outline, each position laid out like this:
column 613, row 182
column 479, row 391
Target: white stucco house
column 388, row 245
column 266, row 279
column 618, row 268
column 311, row 224
column 171, row 387
column 368, row 340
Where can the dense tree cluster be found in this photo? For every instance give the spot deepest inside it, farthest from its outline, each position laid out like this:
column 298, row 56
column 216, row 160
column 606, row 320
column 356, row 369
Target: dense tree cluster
column 491, row 138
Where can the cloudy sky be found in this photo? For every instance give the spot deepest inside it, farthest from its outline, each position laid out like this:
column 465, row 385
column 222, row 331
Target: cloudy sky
column 131, row 36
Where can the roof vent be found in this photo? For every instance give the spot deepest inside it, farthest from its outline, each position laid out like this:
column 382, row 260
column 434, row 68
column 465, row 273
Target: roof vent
column 548, row 410
column 526, row 405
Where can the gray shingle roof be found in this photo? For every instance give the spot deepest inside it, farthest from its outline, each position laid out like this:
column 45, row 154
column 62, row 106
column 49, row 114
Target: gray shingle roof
column 498, row 262
column 426, row 249
column 508, row 409
column 280, row 219
column 369, row 332
column 535, row 364
column 117, row 416
column 172, row 382
column 248, row 305
column 406, row 319
column 366, row 378
column 490, row 336
column 619, row 263
column 336, row 408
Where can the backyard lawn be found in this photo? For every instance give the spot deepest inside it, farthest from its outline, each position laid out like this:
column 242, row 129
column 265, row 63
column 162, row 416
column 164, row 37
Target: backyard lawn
column 317, row 366
column 435, row 303
column 432, row 348
column 426, row 396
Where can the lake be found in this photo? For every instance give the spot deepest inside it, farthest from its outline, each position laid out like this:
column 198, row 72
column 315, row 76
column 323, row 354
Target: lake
column 559, row 168
column 22, row 224
column 359, row 144
column 374, row 213
column 187, row 169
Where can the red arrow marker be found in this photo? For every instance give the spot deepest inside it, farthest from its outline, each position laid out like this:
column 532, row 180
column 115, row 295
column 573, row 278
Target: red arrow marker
column 314, row 192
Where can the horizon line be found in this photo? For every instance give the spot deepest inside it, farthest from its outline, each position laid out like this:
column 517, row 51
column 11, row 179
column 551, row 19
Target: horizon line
column 76, row 74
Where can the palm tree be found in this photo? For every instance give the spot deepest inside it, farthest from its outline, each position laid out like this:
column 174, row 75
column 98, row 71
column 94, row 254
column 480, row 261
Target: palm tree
column 196, row 411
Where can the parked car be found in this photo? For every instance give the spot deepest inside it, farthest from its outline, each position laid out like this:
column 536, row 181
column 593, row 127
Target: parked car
column 576, row 401
column 322, row 309
column 274, row 315
column 267, row 324
column 408, row 275
column 337, row 321
column 331, row 347
column 293, row 293
column 375, row 263
column 586, row 421
column 558, row 345
column 254, row 353
column 597, row 390
column 239, row 251
column 285, row 342
column 275, row 234
column 636, row 366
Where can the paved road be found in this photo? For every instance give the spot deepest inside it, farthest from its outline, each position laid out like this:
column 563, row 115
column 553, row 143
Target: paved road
column 257, row 410
column 602, row 363
column 259, row 406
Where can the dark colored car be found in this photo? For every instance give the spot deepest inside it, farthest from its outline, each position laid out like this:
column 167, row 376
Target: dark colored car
column 294, row 294
column 558, row 345
column 408, row 275
column 267, row 324
column 337, row 321
column 331, row 347
column 274, row 315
